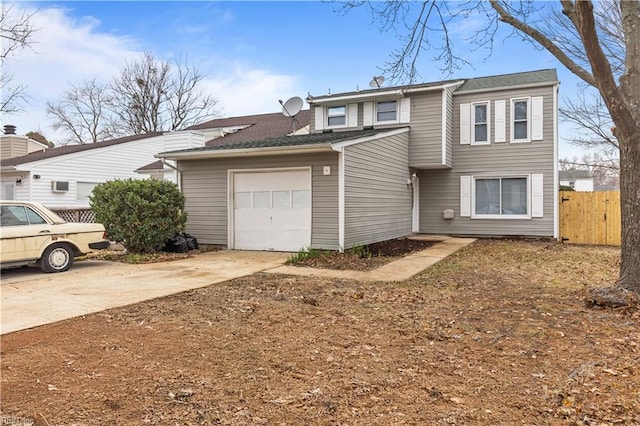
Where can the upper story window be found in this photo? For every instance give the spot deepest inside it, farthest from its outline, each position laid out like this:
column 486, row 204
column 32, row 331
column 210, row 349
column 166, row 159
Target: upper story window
column 480, row 119
column 387, row 111
column 520, row 120
column 337, row 115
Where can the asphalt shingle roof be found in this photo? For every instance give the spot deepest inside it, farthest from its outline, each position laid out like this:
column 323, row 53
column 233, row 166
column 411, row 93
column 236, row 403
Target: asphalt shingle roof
column 509, row 80
column 283, row 141
column 70, row 149
column 259, row 126
column 575, row 174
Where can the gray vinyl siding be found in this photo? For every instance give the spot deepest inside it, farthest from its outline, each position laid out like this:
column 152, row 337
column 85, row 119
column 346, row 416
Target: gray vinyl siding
column 449, row 123
column 440, row 189
column 377, row 197
column 205, row 186
column 312, row 118
column 426, row 130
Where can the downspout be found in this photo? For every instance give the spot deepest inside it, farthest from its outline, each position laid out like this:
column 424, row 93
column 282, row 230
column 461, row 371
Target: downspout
column 341, row 197
column 556, row 178
column 177, row 170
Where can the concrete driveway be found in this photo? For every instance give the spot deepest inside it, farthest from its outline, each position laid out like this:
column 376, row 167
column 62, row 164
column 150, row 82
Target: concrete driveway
column 30, row 298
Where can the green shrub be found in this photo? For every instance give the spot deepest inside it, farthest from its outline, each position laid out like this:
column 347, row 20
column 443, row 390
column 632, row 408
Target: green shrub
column 139, row 213
column 361, row 251
column 304, row 254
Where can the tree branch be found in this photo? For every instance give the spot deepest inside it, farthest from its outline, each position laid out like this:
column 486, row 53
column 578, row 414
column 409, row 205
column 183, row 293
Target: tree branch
column 545, row 42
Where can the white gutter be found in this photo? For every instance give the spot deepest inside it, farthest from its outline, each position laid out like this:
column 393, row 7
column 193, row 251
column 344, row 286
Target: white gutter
column 377, row 94
column 556, row 177
column 245, row 152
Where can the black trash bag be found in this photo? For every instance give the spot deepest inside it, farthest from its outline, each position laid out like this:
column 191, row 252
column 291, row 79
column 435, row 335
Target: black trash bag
column 176, row 244
column 192, row 242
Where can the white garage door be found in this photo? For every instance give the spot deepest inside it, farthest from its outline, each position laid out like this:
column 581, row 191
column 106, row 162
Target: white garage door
column 272, row 210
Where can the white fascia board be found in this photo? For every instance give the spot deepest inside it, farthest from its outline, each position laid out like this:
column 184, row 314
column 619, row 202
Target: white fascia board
column 339, row 146
column 400, row 93
column 15, row 169
column 453, row 84
column 503, row 88
column 246, row 152
column 360, row 96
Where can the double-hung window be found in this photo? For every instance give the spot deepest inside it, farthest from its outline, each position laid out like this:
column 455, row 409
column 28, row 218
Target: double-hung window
column 503, row 196
column 337, row 115
column 387, row 111
column 480, row 120
column 520, row 122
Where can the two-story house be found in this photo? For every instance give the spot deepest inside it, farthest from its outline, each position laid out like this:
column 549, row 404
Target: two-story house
column 459, row 157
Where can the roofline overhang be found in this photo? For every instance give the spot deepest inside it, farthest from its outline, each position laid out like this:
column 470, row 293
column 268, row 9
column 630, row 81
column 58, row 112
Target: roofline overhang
column 246, row 152
column 518, row 86
column 13, row 169
column 398, row 92
column 339, row 146
column 277, row 150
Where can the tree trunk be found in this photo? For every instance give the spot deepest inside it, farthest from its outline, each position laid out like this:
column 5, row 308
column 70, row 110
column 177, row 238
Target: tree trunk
column 630, row 209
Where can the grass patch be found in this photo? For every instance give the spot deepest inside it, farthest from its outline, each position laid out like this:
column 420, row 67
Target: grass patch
column 305, row 254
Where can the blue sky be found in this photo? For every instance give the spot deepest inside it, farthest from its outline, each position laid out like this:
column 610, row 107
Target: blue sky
column 253, row 53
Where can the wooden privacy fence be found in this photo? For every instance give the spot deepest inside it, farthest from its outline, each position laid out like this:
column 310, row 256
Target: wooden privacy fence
column 590, row 217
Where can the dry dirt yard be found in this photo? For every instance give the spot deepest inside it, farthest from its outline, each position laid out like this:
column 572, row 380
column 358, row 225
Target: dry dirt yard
column 496, row 334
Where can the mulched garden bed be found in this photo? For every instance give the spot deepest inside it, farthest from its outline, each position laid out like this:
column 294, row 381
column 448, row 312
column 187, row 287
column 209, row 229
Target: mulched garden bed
column 369, row 257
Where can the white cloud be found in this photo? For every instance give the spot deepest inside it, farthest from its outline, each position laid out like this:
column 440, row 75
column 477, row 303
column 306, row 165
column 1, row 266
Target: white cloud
column 244, row 91
column 64, row 50
column 69, row 50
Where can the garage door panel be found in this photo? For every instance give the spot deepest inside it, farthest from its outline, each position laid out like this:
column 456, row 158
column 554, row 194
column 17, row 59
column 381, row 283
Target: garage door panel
column 272, row 210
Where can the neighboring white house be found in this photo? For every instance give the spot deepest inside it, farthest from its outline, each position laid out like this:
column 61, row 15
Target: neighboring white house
column 64, row 177
column 578, row 180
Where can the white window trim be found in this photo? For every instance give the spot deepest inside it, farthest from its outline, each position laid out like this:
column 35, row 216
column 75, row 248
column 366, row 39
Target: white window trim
column 473, row 123
column 474, row 215
column 375, row 113
column 327, row 116
column 512, row 120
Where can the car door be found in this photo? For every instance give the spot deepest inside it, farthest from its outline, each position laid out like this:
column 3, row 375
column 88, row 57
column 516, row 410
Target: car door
column 24, row 233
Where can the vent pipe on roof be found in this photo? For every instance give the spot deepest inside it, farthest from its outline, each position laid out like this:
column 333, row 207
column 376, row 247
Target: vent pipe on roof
column 9, row 129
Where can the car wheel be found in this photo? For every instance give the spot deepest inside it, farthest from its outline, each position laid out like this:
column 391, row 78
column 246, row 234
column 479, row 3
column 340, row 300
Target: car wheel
column 57, row 258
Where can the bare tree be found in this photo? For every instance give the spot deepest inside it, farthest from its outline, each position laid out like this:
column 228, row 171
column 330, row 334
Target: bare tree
column 82, row 113
column 573, row 32
column 592, row 123
column 152, row 95
column 16, row 32
column 593, row 126
column 37, row 136
column 604, row 168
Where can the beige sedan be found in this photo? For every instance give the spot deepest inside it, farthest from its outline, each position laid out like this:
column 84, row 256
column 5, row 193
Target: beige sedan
column 31, row 234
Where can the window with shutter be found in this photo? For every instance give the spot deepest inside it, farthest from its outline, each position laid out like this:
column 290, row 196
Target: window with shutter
column 520, row 120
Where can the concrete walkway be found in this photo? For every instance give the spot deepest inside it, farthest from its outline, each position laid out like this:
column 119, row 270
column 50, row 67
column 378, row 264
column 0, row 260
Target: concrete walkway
column 30, row 298
column 399, row 270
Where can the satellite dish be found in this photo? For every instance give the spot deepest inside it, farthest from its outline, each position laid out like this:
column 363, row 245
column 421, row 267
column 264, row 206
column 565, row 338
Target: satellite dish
column 292, row 106
column 376, row 82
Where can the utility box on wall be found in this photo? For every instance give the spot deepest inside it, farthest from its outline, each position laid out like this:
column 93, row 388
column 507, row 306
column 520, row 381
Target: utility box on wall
column 448, row 214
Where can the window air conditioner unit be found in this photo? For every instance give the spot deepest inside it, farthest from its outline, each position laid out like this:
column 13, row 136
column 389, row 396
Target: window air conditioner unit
column 58, row 186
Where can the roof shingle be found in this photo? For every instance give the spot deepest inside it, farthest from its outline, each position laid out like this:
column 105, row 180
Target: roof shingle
column 283, row 141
